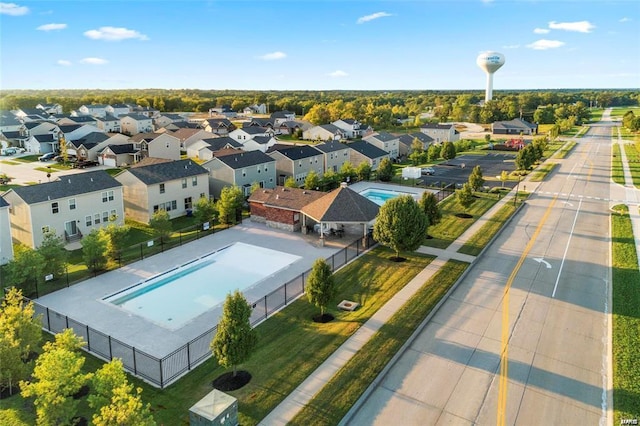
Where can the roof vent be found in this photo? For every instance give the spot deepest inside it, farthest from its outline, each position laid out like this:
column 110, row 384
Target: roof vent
column 91, row 179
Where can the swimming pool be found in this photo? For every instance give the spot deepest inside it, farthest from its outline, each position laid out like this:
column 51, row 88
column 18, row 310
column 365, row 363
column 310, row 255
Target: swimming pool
column 174, row 297
column 380, row 196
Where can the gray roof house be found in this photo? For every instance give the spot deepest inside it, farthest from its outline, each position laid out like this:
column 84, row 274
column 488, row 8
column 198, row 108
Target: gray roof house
column 516, row 126
column 362, row 151
column 297, row 161
column 406, row 141
column 440, row 132
column 386, row 142
column 335, row 154
column 324, row 132
column 243, row 170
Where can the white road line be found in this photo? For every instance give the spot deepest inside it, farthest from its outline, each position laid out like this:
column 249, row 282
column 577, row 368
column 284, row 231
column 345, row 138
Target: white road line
column 566, row 249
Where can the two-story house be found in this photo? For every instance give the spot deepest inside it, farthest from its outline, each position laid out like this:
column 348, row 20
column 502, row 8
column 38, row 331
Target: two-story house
column 335, row 154
column 6, row 245
column 350, row 127
column 205, row 149
column 116, row 110
column 50, row 109
column 386, row 142
column 247, row 133
column 71, row 206
column 362, row 151
column 132, row 124
column 297, row 161
column 173, row 186
column 243, row 170
column 406, row 142
column 441, row 132
column 218, row 126
column 108, row 124
column 280, row 117
column 97, row 110
column 165, row 119
column 88, row 146
column 157, row 145
column 324, row 132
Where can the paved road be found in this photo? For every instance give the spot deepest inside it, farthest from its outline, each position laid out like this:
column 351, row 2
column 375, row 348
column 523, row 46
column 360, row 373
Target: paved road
column 554, row 258
column 26, row 173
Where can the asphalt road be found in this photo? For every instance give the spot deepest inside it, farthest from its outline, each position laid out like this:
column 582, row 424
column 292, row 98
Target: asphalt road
column 554, row 260
column 25, row 173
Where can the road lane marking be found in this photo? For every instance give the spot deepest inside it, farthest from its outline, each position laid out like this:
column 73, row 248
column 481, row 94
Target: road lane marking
column 504, row 340
column 566, row 249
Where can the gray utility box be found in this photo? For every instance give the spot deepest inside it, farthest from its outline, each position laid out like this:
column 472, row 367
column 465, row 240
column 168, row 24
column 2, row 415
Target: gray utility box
column 217, row 408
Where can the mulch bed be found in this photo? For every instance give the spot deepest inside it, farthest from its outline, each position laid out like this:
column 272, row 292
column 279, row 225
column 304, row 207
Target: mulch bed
column 83, row 391
column 464, row 215
column 228, row 382
column 323, row 318
column 7, row 392
column 398, row 259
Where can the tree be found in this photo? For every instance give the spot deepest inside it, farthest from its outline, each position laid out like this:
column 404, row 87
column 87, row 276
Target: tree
column 290, row 182
column 448, row 151
column 25, row 269
column 504, row 176
column 364, row 171
column 230, row 203
column 161, row 225
column 347, row 171
column 330, row 180
column 401, row 224
column 55, row 256
column 235, row 339
column 205, row 210
column 20, row 334
column 417, row 152
column 475, row 178
column 57, row 377
column 433, row 152
column 429, row 205
column 464, row 196
column 320, row 287
column 487, row 138
column 116, row 236
column 385, row 170
column 525, row 158
column 312, row 181
column 94, row 250
column 108, row 377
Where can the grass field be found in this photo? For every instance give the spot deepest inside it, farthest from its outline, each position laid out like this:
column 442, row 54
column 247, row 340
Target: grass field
column 541, row 172
column 621, row 111
column 617, row 171
column 626, row 319
column 564, row 150
column 633, row 161
column 480, row 239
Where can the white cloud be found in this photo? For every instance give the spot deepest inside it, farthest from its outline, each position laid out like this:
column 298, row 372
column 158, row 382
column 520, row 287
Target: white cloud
column 545, row 44
column 63, row 62
column 579, row 26
column 541, row 30
column 51, row 27
column 114, row 34
column 511, row 46
column 338, row 73
column 377, row 15
column 13, row 9
column 273, row 56
column 625, row 19
column 94, row 61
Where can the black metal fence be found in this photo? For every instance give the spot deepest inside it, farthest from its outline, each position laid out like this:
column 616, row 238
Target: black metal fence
column 163, row 371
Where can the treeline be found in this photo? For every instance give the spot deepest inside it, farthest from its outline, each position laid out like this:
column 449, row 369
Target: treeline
column 378, row 108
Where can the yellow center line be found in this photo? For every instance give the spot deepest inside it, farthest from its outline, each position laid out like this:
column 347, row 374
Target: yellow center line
column 504, row 349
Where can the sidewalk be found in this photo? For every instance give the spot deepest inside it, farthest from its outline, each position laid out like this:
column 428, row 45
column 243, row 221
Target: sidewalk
column 301, row 396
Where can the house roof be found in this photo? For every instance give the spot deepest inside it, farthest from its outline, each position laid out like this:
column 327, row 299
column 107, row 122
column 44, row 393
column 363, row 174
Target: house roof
column 33, row 124
column 91, row 139
column 125, row 148
column 331, row 128
column 68, row 128
column 91, row 106
column 298, row 152
column 182, row 124
column 144, row 137
column 331, row 146
column 82, row 118
column 368, row 150
column 260, row 122
column 177, row 117
column 245, row 159
column 47, row 137
column 516, row 123
column 349, row 121
column 382, row 136
column 9, row 120
column 11, row 135
column 67, row 186
column 186, row 133
column 281, row 114
column 31, row 111
column 107, row 118
column 3, row 202
column 285, row 198
column 262, row 139
column 291, row 124
column 137, row 117
column 119, row 106
column 342, row 205
column 167, row 171
column 219, row 122
column 436, row 126
column 254, row 130
column 408, row 139
column 219, row 143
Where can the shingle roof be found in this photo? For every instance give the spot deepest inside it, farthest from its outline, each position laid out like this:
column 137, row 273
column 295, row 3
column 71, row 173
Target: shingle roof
column 9, row 120
column 285, row 198
column 33, row 124
column 436, row 126
column 219, row 143
column 281, row 114
column 164, row 172
column 368, row 150
column 47, row 137
column 254, row 130
column 408, row 139
column 330, row 146
column 173, row 116
column 31, row 111
column 183, row 134
column 119, row 106
column 83, row 119
column 137, row 117
column 262, row 139
column 108, row 118
column 122, row 149
column 246, row 159
column 516, row 123
column 382, row 137
column 219, row 122
column 68, row 128
column 331, row 128
column 90, row 140
column 298, row 152
column 342, row 205
column 11, row 135
column 67, row 186
column 3, row 202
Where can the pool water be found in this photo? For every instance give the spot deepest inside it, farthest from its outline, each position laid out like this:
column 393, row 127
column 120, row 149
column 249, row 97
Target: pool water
column 174, row 297
column 380, row 196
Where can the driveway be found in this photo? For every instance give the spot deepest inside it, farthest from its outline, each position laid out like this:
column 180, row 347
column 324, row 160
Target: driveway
column 25, row 173
column 457, row 171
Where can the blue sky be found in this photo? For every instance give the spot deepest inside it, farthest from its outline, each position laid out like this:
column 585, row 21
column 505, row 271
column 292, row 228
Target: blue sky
column 318, row 45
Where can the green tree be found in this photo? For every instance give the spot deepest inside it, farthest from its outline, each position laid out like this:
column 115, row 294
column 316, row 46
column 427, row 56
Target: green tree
column 125, row 408
column 476, row 180
column 94, row 250
column 107, row 378
column 364, row 171
column 20, row 334
column 487, row 138
column 504, row 176
column 235, row 339
column 401, row 224
column 433, row 152
column 116, row 236
column 385, row 170
column 448, row 151
column 290, row 182
column 429, row 205
column 26, row 268
column 320, row 287
column 525, row 158
column 57, row 377
column 205, row 210
column 330, row 180
column 417, row 152
column 312, row 181
column 230, row 203
column 464, row 196
column 161, row 225
column 347, row 172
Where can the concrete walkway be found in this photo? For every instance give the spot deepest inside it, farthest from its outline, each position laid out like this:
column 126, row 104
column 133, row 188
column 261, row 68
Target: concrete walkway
column 301, row 396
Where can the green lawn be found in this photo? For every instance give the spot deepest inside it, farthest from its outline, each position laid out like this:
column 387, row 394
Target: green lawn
column 480, row 239
column 564, row 150
column 626, row 319
column 331, row 404
column 617, row 171
column 27, row 158
column 541, row 172
column 633, row 161
column 621, row 111
column 595, row 114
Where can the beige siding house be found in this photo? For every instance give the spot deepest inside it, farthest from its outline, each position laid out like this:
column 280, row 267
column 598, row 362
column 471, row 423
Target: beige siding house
column 132, row 124
column 174, row 186
column 386, row 142
column 362, row 151
column 335, row 154
column 297, row 161
column 440, row 132
column 243, row 170
column 71, row 207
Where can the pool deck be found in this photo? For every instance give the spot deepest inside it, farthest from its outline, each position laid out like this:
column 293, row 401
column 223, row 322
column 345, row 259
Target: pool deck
column 414, row 190
column 83, row 302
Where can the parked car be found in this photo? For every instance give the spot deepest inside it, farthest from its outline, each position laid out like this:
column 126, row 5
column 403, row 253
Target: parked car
column 49, row 156
column 8, row 151
column 85, row 163
column 428, row 171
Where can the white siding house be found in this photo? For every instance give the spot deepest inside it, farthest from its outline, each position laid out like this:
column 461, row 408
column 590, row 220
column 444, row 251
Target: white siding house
column 132, row 124
column 6, row 245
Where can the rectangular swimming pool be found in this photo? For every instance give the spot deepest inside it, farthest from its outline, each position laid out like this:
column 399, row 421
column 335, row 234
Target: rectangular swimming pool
column 173, row 298
column 380, row 196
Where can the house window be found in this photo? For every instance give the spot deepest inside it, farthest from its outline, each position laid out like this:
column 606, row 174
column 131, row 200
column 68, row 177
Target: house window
column 156, row 208
column 105, row 217
column 202, row 195
column 54, row 208
column 184, row 183
column 72, row 204
column 45, row 229
column 107, row 196
column 96, row 218
column 188, row 204
column 113, row 215
column 194, row 181
column 87, row 220
column 174, row 205
column 162, row 188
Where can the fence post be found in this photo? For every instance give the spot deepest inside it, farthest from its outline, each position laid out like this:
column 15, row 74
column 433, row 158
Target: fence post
column 135, row 369
column 110, row 353
column 265, row 308
column 88, row 340
column 66, row 321
column 48, row 320
column 188, row 357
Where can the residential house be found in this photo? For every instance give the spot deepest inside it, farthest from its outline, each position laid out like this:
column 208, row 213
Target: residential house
column 88, row 146
column 97, row 110
column 219, row 126
column 259, row 143
column 362, row 151
column 288, row 127
column 335, row 154
column 281, row 207
column 517, row 126
column 108, row 124
column 441, row 132
column 259, row 122
column 386, row 142
column 165, row 119
column 116, row 110
column 21, row 113
column 71, row 207
column 204, row 149
column 148, row 112
column 6, row 245
column 190, row 136
column 119, row 155
column 157, row 145
column 297, row 161
column 41, row 144
column 406, row 142
column 280, row 117
column 255, row 109
column 173, row 186
column 79, row 119
column 350, row 127
column 243, row 170
column 247, row 133
column 76, row 131
column 9, row 122
column 224, row 110
column 324, row 132
column 132, row 124
column 50, row 109
column 172, row 127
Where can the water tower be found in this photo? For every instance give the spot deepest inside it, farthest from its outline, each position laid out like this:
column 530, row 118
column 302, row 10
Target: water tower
column 490, row 62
